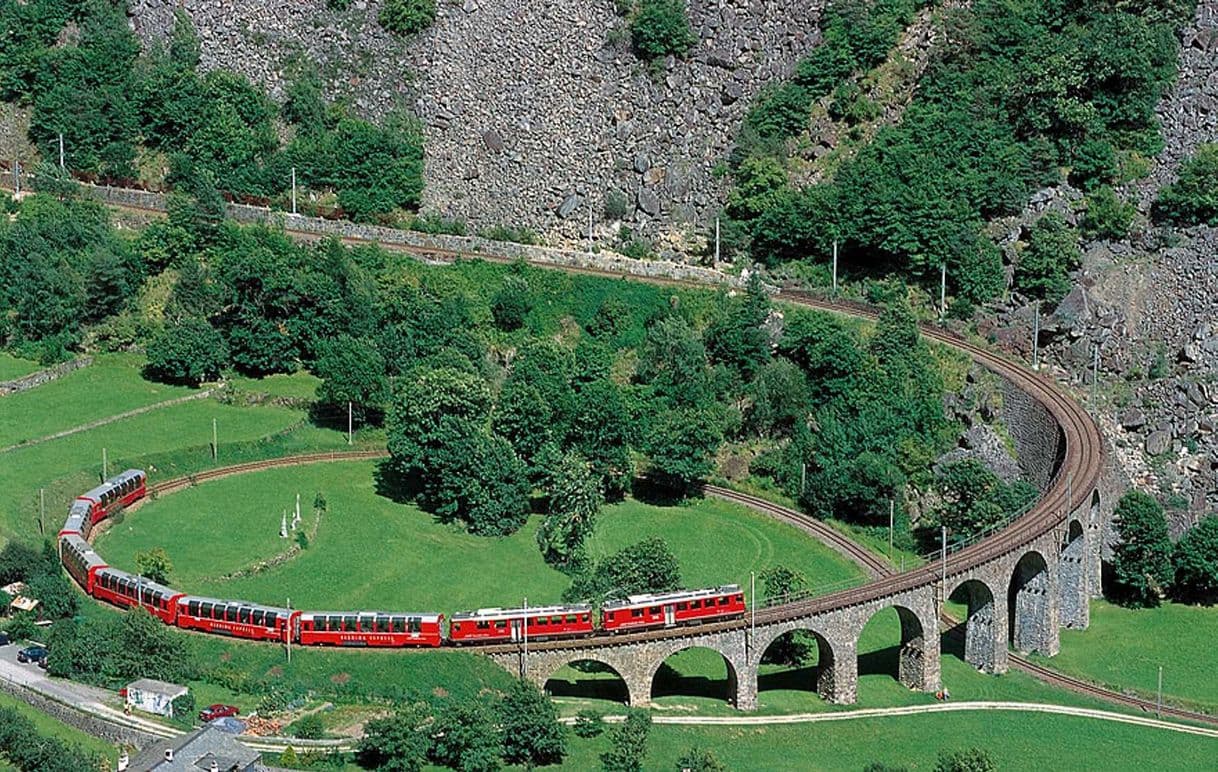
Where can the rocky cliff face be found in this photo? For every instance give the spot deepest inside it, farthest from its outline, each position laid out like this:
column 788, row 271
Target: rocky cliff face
column 535, row 111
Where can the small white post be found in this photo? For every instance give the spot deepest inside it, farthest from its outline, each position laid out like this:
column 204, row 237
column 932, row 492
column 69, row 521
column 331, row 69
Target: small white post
column 1095, row 373
column 287, row 631
column 803, row 479
column 835, row 268
column 298, row 507
column 61, row 150
column 283, row 524
column 105, row 465
column 293, row 190
column 753, row 605
column 215, row 443
column 716, row 241
column 1159, row 697
column 16, row 178
column 524, row 630
column 589, row 226
column 349, row 423
column 942, row 291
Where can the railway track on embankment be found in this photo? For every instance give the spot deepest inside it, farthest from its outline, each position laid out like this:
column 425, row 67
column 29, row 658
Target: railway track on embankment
column 1079, row 468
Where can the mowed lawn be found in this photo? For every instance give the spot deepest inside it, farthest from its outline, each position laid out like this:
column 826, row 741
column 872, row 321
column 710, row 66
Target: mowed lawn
column 110, row 386
column 13, row 367
column 1123, row 648
column 69, row 466
column 371, row 552
column 1016, row 741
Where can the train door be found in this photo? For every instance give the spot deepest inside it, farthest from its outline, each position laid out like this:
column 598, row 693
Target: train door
column 670, row 615
column 517, row 630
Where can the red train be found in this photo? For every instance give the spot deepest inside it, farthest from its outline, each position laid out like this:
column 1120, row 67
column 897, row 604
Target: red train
column 642, row 612
column 242, row 619
column 511, row 625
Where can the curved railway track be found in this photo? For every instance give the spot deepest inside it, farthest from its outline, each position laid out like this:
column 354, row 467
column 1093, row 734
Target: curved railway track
column 1080, row 468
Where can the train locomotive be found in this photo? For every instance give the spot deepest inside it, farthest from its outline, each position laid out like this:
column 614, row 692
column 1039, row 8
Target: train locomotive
column 381, row 629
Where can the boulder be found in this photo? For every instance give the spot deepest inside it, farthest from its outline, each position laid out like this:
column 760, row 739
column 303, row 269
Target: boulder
column 649, row 202
column 569, row 205
column 1133, row 419
column 1158, row 442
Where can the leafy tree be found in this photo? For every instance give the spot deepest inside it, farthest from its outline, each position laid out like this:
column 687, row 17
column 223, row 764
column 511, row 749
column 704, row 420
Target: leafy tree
column 406, row 17
column 146, row 648
column 673, row 362
column 737, row 337
column 588, row 724
column 1193, row 198
column 422, row 404
column 970, row 760
column 780, row 397
column 154, row 564
column 19, row 562
column 193, row 295
column 25, row 748
column 681, row 446
column 397, row 743
column 532, row 736
column 1052, row 251
column 465, row 737
column 511, row 304
column 660, row 28
column 352, row 371
column 1196, row 563
column 310, row 727
column 601, row 433
column 628, row 743
column 56, row 596
column 1141, row 561
column 795, row 648
column 974, row 499
column 647, row 566
column 575, row 499
column 524, row 418
column 188, row 352
column 699, row 759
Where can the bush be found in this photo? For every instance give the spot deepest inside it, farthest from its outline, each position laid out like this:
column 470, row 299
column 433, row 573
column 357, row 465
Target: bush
column 1193, row 198
column 660, row 28
column 511, row 304
column 1141, row 562
column 617, row 205
column 189, row 352
column 1195, row 559
column 588, row 724
column 310, row 727
column 1052, row 252
column 1107, row 216
column 184, row 707
column 406, row 17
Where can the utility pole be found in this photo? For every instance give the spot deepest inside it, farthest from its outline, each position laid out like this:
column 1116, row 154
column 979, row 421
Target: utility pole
column 753, row 604
column 61, row 150
column 16, row 178
column 524, row 630
column 1095, row 373
column 293, row 190
column 892, row 507
column 215, row 444
column 942, row 291
column 943, row 539
column 287, row 631
column 803, row 479
column 589, row 226
column 716, row 241
column 105, row 465
column 1036, row 337
column 349, row 422
column 1159, row 697
column 835, row 268
column 42, row 510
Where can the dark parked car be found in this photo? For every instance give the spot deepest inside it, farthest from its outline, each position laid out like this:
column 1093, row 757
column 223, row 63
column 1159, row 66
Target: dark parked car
column 212, row 712
column 32, row 654
column 4, row 639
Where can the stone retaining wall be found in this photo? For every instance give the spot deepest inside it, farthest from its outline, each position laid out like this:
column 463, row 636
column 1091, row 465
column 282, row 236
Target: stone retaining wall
column 33, row 380
column 90, row 725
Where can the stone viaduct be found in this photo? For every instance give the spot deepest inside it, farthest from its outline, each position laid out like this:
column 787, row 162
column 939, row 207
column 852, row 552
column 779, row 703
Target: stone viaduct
column 1020, row 586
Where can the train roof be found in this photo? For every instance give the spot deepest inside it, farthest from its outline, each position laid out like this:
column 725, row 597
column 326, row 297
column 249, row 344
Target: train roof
column 652, row 599
column 77, row 513
column 118, row 479
column 513, row 613
column 78, row 544
column 144, row 583
column 241, row 603
column 428, row 615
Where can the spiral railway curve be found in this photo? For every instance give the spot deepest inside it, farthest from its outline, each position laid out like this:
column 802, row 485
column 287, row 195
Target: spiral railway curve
column 1079, row 469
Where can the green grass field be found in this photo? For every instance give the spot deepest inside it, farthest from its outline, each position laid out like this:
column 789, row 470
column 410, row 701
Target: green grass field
column 406, row 560
column 1016, row 741
column 53, row 728
column 12, row 367
column 301, row 385
column 110, row 386
column 1124, row 648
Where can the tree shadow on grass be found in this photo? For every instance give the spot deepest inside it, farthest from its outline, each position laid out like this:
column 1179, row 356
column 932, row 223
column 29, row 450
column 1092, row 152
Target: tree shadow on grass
column 393, row 485
column 655, row 493
column 795, row 679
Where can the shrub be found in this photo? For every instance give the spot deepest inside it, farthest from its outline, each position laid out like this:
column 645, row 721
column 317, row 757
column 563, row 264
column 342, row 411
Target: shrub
column 1108, row 216
column 1196, row 563
column 511, row 304
column 1193, row 198
column 588, row 724
column 516, row 235
column 406, row 17
column 1044, row 266
column 189, row 352
column 184, row 706
column 309, row 727
column 617, row 205
column 1141, row 562
column 660, row 28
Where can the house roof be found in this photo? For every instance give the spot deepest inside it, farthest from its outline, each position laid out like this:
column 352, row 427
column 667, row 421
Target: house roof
column 196, row 751
column 153, row 686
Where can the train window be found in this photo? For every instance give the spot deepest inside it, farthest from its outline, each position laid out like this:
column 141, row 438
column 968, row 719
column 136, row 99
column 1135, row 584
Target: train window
column 192, row 608
column 272, row 619
column 416, row 625
column 698, row 603
column 202, row 610
column 484, row 625
column 230, row 613
column 724, row 601
column 636, row 612
column 259, row 616
column 682, row 606
column 243, row 616
column 541, row 621
column 336, row 624
column 350, row 624
column 399, row 625
column 501, row 624
column 654, row 609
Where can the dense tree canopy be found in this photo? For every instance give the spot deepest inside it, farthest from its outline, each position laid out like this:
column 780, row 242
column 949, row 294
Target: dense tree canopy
column 1195, row 559
column 1141, row 561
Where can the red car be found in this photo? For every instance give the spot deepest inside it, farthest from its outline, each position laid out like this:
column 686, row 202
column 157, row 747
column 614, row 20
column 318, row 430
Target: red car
column 508, row 625
column 672, row 609
column 212, row 712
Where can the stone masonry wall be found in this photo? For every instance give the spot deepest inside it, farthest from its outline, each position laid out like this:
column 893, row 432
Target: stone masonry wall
column 43, row 376
column 532, row 111
column 90, row 725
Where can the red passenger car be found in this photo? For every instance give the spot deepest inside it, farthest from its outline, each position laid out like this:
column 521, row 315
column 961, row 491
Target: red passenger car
column 640, row 612
column 237, row 618
column 124, row 589
column 509, row 625
column 370, row 628
column 122, row 490
column 80, row 520
column 80, row 560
